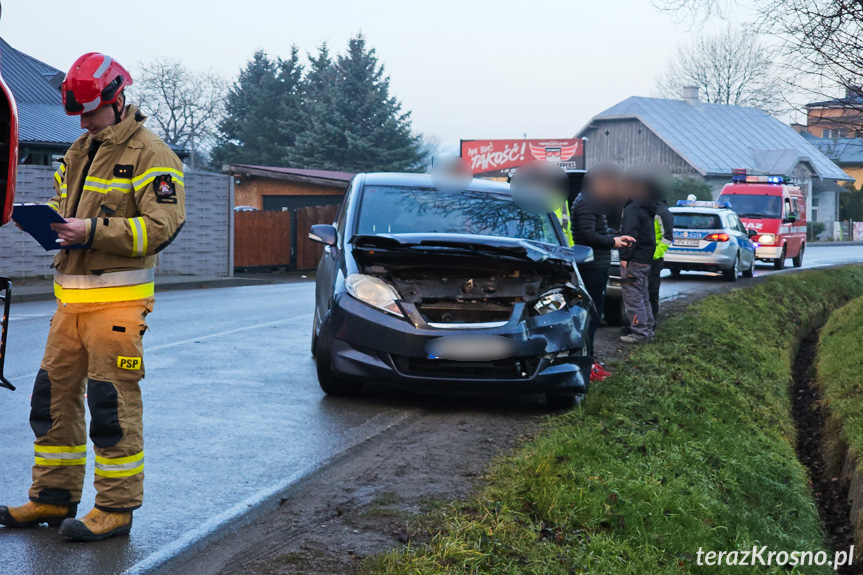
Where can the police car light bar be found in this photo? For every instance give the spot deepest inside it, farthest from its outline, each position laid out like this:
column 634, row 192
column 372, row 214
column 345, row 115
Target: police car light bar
column 702, row 204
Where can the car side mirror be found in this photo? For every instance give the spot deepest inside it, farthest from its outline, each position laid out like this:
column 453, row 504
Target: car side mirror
column 323, row 234
column 581, row 254
column 751, row 233
column 791, row 218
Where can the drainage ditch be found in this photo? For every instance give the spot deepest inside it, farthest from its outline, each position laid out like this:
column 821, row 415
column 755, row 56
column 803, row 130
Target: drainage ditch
column 831, row 492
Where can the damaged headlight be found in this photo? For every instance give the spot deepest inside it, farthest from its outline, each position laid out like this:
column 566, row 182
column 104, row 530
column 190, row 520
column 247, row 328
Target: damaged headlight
column 550, row 301
column 558, row 298
column 374, row 292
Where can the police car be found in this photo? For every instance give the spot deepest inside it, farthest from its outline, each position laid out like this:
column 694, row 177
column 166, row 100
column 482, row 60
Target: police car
column 709, row 237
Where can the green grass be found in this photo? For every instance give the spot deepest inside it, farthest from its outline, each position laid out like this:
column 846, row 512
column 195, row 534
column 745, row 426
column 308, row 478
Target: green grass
column 840, row 372
column 688, row 446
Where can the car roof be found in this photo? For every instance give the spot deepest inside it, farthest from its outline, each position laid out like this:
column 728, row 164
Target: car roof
column 425, row 181
column 760, row 189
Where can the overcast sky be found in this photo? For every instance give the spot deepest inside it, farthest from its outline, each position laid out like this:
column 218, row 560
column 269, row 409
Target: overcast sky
column 466, row 68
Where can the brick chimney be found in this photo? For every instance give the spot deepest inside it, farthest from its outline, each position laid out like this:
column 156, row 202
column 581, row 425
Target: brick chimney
column 690, row 94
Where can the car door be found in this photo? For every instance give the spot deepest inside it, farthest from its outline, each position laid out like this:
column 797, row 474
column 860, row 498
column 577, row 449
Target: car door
column 746, row 247
column 328, row 266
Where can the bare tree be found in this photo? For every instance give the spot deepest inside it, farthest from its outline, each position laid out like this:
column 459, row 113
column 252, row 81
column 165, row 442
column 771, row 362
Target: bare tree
column 821, row 44
column 186, row 105
column 732, row 67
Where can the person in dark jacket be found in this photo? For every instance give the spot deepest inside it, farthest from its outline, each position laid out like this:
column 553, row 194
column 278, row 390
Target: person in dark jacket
column 601, row 192
column 636, row 259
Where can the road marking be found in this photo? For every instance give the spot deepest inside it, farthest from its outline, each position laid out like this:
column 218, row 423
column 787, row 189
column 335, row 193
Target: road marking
column 203, row 337
column 228, row 332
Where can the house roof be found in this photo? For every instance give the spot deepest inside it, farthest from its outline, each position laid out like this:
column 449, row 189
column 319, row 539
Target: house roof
column 324, row 177
column 843, row 151
column 716, row 138
column 35, row 86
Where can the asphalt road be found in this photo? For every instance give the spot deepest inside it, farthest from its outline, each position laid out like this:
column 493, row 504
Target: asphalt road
column 233, row 414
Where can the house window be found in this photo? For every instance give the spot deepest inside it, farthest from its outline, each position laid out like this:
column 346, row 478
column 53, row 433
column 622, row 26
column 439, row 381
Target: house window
column 815, row 208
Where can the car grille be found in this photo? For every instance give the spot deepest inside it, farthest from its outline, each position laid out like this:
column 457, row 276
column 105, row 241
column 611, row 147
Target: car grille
column 510, row 368
column 464, row 312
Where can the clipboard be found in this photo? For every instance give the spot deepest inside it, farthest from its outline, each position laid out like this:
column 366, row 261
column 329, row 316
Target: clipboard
column 36, row 220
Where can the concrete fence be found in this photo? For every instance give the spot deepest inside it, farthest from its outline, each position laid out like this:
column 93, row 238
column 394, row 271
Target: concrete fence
column 203, row 248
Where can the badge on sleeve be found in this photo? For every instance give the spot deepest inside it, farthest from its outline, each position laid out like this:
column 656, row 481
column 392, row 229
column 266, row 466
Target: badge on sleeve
column 166, row 191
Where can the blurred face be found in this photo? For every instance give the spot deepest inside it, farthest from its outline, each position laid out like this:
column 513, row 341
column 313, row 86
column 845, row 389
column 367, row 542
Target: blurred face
column 636, row 190
column 100, row 118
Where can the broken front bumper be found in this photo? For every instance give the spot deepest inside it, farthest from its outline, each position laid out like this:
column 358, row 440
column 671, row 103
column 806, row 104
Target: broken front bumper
column 552, row 351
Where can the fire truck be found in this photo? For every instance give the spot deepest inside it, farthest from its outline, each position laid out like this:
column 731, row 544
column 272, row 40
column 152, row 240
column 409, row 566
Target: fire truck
column 8, row 170
column 775, row 209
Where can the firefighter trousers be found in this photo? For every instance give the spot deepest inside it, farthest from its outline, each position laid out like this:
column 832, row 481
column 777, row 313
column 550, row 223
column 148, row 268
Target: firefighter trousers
column 97, row 348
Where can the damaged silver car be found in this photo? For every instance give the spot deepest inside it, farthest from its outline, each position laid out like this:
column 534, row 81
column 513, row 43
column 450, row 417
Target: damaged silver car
column 448, row 292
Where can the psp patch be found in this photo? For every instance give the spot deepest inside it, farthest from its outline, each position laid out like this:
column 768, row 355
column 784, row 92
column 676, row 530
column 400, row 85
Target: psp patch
column 130, row 363
column 166, row 189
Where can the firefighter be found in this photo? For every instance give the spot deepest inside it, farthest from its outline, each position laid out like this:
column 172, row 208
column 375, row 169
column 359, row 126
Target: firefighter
column 120, row 189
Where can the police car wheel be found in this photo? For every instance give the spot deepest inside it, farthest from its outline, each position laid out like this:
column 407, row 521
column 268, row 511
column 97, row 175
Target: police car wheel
column 750, row 272
column 779, row 263
column 330, row 382
column 731, row 275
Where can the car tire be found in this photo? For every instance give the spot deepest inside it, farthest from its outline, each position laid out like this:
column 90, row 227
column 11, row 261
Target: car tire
column 798, row 259
column 779, row 263
column 330, row 382
column 750, row 272
column 561, row 401
column 615, row 313
column 731, row 275
column 314, row 346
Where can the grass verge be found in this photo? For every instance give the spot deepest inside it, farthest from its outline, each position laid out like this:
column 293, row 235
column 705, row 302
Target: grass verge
column 690, row 445
column 840, row 379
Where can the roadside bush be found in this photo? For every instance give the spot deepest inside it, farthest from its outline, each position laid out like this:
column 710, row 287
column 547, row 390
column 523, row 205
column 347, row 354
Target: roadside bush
column 690, row 445
column 813, row 229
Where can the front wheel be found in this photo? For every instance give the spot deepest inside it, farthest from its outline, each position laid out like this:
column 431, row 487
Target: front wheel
column 798, row 259
column 330, row 382
column 731, row 275
column 750, row 271
column 779, row 263
column 560, row 401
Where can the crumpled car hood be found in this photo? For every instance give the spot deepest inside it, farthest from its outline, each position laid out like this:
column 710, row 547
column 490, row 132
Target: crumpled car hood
column 529, row 249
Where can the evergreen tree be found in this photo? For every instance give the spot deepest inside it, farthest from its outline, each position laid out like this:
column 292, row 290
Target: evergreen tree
column 262, row 112
column 352, row 122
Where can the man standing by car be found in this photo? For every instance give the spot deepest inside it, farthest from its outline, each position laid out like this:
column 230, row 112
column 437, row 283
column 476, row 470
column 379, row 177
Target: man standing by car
column 636, row 259
column 120, row 189
column 600, row 194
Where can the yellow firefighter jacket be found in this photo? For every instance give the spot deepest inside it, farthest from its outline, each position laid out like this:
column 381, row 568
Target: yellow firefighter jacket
column 127, row 185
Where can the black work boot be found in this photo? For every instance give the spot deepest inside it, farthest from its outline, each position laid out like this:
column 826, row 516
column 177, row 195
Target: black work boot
column 97, row 525
column 32, row 514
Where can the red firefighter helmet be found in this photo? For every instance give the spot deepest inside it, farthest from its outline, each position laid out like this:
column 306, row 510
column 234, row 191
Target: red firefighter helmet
column 94, row 81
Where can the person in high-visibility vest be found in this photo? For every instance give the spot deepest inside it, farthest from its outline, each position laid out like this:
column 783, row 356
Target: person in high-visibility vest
column 565, row 220
column 120, row 189
column 663, row 223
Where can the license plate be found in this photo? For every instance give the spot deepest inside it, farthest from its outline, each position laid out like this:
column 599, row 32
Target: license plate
column 686, row 243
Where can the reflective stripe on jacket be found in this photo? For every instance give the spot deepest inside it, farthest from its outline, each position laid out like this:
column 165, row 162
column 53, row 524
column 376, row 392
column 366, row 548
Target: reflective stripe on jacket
column 132, row 200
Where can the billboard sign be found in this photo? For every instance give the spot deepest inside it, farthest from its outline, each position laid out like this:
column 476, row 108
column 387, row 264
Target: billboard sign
column 492, row 158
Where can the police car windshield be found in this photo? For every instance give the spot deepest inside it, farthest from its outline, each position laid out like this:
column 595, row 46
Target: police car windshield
column 692, row 221
column 403, row 210
column 754, row 206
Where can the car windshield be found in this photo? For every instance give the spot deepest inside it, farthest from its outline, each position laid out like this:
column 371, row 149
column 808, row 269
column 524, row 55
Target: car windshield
column 692, row 221
column 404, row 210
column 754, row 207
